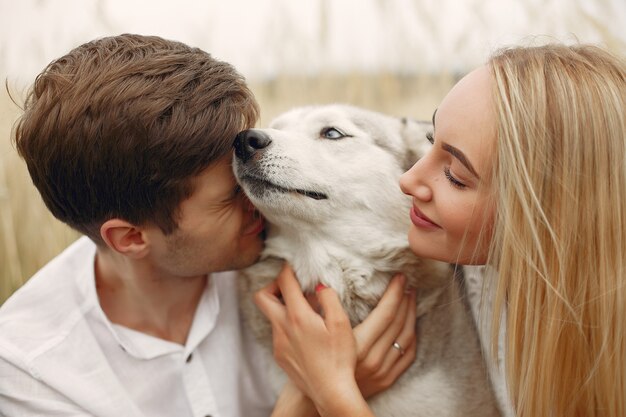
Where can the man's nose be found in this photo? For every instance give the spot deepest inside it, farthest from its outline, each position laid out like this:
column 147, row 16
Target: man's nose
column 249, row 142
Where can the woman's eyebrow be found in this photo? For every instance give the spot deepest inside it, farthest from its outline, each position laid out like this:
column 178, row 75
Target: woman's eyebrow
column 461, row 157
column 456, row 152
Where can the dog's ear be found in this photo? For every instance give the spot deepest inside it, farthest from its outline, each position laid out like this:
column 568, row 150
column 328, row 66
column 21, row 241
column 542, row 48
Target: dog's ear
column 414, row 133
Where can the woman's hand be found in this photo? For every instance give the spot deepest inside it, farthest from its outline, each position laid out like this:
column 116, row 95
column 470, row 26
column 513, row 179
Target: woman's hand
column 391, row 323
column 314, row 350
column 311, row 349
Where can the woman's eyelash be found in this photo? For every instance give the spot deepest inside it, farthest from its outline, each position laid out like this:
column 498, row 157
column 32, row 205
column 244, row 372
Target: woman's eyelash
column 455, row 183
column 446, row 171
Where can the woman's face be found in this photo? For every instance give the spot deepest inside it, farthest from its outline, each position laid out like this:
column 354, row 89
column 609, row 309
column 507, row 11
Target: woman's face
column 452, row 211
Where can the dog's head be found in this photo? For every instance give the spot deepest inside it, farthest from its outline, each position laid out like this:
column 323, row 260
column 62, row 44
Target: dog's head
column 326, row 179
column 316, row 166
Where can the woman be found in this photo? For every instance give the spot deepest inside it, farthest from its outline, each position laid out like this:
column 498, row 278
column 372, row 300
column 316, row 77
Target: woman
column 527, row 174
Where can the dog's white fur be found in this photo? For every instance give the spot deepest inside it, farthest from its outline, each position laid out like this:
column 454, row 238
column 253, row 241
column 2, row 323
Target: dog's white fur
column 337, row 215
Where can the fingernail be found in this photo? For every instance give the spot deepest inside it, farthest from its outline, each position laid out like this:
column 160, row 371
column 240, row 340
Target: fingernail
column 319, row 287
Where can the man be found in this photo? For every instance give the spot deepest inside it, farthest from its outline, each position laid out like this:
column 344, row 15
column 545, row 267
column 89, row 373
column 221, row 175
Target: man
column 129, row 141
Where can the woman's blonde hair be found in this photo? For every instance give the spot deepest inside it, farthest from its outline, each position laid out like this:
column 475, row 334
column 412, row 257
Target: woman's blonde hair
column 560, row 230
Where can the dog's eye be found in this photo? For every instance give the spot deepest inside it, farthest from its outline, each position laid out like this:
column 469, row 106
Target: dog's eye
column 332, row 133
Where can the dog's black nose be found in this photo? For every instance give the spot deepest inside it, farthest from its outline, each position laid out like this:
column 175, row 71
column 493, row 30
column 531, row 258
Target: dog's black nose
column 248, row 142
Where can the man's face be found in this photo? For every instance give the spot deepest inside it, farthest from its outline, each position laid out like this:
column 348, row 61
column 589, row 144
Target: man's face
column 218, row 228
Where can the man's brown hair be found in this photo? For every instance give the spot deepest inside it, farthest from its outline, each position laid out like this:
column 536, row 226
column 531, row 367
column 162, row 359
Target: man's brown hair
column 119, row 126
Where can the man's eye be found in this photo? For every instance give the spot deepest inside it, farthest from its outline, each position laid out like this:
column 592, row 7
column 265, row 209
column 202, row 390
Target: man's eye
column 236, row 191
column 332, row 133
column 430, row 137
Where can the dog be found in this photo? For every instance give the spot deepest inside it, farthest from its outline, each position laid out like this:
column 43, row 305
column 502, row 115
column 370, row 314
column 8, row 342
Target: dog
column 326, row 180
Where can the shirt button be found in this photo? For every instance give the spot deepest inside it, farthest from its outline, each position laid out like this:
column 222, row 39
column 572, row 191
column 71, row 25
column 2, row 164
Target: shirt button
column 189, row 360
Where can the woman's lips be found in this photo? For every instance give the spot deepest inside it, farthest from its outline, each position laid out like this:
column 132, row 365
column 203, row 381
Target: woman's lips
column 420, row 220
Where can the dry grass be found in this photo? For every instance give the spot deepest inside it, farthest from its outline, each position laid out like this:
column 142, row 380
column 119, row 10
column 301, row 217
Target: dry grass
column 30, row 236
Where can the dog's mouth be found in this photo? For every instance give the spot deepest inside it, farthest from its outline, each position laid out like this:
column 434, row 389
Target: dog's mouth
column 258, row 185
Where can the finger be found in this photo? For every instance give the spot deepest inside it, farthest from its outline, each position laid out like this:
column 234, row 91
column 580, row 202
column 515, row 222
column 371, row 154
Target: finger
column 390, row 375
column 379, row 352
column 408, row 331
column 269, row 304
column 404, row 338
column 271, row 288
column 395, row 327
column 311, row 298
column 399, row 321
column 375, row 324
column 387, row 375
column 334, row 314
column 298, row 312
column 290, row 289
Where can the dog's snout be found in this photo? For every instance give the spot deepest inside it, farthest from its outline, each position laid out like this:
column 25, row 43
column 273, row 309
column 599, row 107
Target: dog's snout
column 248, row 142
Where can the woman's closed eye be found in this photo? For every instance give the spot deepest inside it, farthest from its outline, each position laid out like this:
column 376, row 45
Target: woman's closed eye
column 453, row 181
column 446, row 170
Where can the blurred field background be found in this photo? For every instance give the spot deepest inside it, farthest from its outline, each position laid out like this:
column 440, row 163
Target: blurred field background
column 396, row 56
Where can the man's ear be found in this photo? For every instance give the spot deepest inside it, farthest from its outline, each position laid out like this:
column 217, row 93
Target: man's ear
column 124, row 237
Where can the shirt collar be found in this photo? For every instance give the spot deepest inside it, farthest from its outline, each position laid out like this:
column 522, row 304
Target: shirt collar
column 145, row 346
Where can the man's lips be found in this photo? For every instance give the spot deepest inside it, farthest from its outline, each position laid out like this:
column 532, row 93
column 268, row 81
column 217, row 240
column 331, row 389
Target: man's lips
column 419, row 219
column 255, row 227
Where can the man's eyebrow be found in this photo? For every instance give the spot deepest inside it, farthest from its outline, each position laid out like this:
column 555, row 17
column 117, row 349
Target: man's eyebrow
column 434, row 113
column 461, row 157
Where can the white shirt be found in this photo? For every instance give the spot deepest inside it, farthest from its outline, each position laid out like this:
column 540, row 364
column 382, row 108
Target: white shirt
column 481, row 300
column 60, row 355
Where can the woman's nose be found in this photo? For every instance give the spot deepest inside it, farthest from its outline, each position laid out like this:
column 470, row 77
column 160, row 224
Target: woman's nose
column 414, row 183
